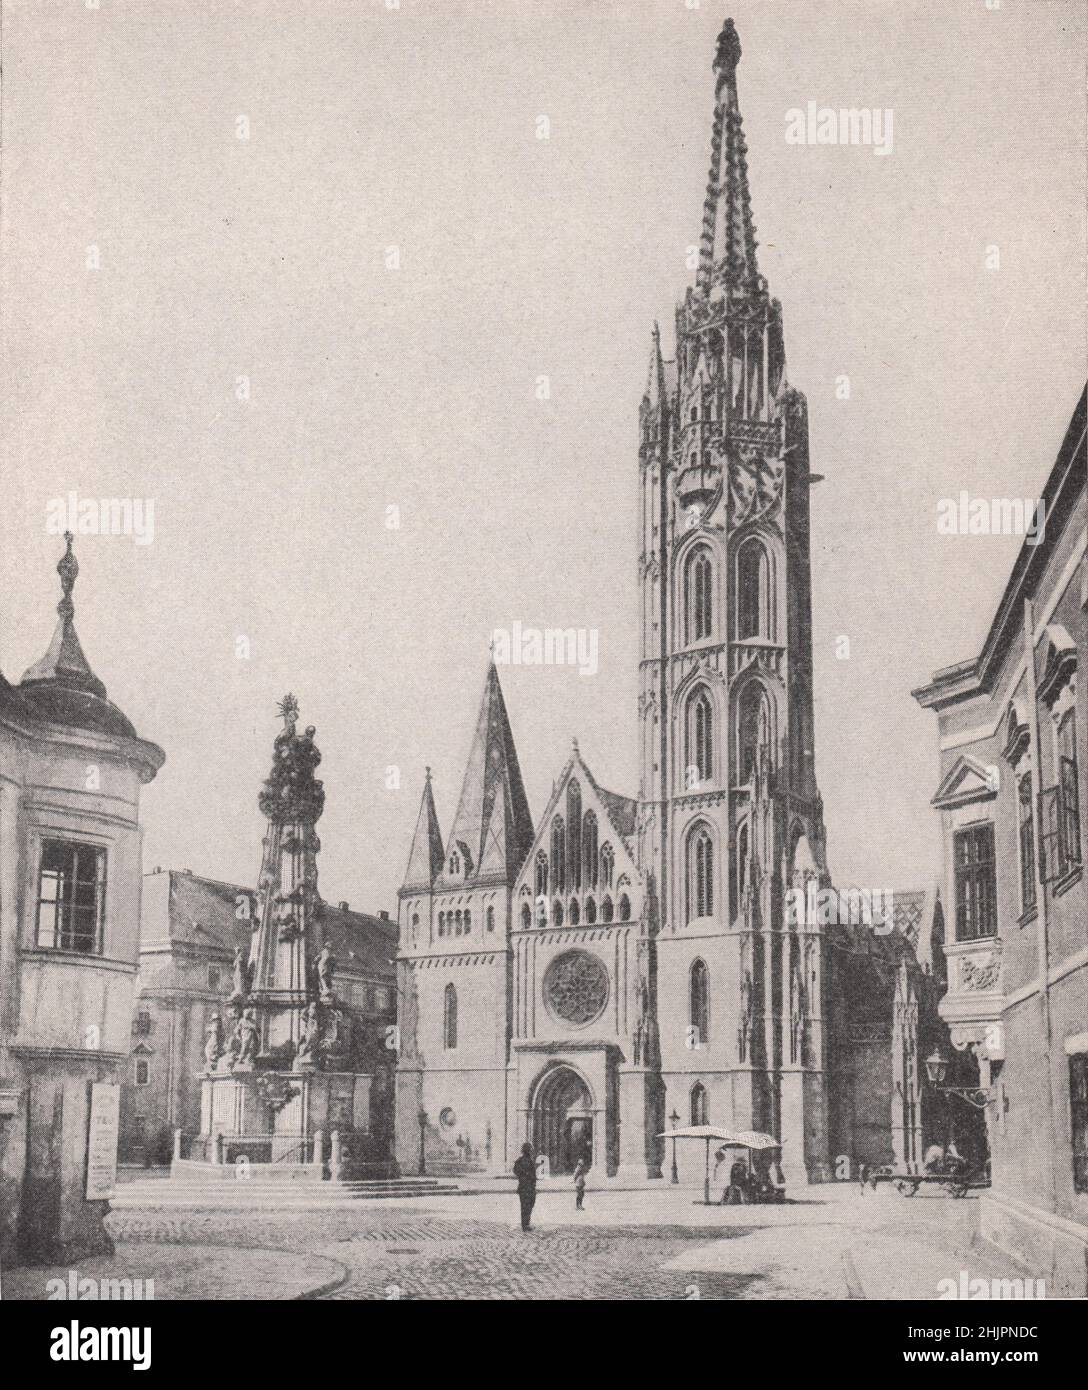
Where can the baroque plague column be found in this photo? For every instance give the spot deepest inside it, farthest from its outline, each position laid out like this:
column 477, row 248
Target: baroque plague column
column 274, row 1087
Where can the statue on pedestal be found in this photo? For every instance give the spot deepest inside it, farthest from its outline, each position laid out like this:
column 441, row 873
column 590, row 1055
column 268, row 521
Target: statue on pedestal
column 247, row 1036
column 308, row 1038
column 213, row 1041
column 326, row 964
column 240, row 975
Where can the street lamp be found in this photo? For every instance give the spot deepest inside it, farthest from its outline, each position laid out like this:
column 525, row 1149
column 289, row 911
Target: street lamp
column 937, row 1070
column 674, row 1120
column 422, row 1118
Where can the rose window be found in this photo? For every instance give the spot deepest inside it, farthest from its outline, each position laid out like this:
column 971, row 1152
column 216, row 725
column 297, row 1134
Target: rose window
column 576, row 987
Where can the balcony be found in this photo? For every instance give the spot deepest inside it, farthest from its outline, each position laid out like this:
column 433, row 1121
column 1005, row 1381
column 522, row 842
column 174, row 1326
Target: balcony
column 975, row 998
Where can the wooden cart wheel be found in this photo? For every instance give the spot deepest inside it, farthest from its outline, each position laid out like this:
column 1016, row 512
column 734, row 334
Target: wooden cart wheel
column 959, row 1189
column 905, row 1188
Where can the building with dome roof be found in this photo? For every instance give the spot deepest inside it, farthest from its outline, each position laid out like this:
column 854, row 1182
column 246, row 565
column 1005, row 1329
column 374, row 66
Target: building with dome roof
column 71, row 772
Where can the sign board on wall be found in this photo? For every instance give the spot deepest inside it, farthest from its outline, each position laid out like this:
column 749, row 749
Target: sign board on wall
column 102, row 1140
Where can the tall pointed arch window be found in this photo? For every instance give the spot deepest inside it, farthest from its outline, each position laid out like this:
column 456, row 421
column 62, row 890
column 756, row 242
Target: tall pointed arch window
column 574, row 833
column 699, row 1002
column 541, row 874
column 753, row 591
column 753, row 732
column 449, row 1019
column 559, row 856
column 699, row 752
column 698, row 1109
column 700, row 874
column 698, row 595
column 589, row 849
column 608, row 864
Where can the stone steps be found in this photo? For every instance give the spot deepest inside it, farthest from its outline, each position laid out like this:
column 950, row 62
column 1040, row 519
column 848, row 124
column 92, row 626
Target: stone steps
column 240, row 1192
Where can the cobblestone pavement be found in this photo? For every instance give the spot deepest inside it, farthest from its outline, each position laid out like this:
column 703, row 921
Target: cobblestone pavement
column 634, row 1245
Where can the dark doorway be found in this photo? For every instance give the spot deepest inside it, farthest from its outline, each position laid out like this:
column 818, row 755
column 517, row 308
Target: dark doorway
column 563, row 1120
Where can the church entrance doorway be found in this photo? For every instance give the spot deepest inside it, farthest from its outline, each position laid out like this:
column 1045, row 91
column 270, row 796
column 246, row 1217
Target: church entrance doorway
column 563, row 1120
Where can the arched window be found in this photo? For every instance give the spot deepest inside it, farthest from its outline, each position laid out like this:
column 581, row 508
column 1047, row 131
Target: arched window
column 449, row 1019
column 608, row 863
column 700, row 874
column 468, row 921
column 740, row 878
column 589, row 849
column 541, row 874
column 698, row 595
column 559, row 877
column 698, row 1104
column 753, row 732
column 459, row 922
column 572, row 909
column 625, row 908
column 557, row 913
column 606, row 910
column 455, row 863
column 491, row 919
column 574, row 833
column 526, row 916
column 441, row 924
column 699, row 1002
column 753, row 591
column 699, row 754
column 591, row 911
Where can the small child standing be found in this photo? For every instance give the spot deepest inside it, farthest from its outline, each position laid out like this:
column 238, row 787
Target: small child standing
column 580, row 1184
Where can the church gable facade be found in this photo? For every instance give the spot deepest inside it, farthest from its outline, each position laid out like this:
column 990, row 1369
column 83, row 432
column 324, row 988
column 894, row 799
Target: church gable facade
column 583, row 1041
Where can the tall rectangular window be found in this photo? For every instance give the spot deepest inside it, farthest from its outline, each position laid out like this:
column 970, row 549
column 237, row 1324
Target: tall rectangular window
column 1068, row 792
column 1027, row 843
column 976, row 883
column 71, row 897
column 1078, row 1112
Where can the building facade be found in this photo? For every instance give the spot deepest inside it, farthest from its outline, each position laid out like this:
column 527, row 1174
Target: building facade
column 190, row 930
column 629, row 964
column 1012, row 728
column 71, row 772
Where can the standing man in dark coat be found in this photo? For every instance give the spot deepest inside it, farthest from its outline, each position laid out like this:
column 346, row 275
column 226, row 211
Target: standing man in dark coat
column 525, row 1172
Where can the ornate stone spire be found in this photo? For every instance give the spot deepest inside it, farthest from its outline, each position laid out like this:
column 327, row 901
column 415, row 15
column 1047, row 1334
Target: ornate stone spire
column 64, row 662
column 291, row 791
column 727, row 251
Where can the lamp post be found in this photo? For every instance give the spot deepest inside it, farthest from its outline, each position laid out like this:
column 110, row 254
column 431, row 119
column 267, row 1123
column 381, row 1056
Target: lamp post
column 422, row 1118
column 674, row 1120
column 937, row 1070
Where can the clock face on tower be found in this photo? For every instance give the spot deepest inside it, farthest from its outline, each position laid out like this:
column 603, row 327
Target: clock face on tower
column 576, row 987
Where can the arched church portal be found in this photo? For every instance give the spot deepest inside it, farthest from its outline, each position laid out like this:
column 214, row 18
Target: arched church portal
column 562, row 1120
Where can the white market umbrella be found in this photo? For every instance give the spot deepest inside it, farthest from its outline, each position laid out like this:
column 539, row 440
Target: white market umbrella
column 712, row 1134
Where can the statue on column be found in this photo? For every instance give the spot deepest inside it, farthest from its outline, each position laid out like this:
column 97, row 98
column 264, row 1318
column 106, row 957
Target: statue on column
column 240, row 975
column 247, row 1036
column 213, row 1041
column 326, row 964
column 308, row 1039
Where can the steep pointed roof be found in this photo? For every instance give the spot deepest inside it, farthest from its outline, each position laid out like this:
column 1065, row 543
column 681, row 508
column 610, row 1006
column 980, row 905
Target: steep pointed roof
column 655, row 380
column 61, row 688
column 492, row 819
column 727, row 249
column 426, row 855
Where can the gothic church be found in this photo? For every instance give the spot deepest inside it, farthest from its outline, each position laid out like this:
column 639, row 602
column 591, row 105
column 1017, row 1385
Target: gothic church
column 627, row 965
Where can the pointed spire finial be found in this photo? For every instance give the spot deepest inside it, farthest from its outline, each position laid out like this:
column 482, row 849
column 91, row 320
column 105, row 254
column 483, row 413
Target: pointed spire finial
column 68, row 569
column 574, row 743
column 428, row 772
column 728, row 52
column 287, row 709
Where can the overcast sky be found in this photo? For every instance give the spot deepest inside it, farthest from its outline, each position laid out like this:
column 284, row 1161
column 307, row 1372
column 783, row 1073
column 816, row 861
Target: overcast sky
column 370, row 387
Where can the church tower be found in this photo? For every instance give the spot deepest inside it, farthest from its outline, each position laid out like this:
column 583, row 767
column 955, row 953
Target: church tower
column 730, row 815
